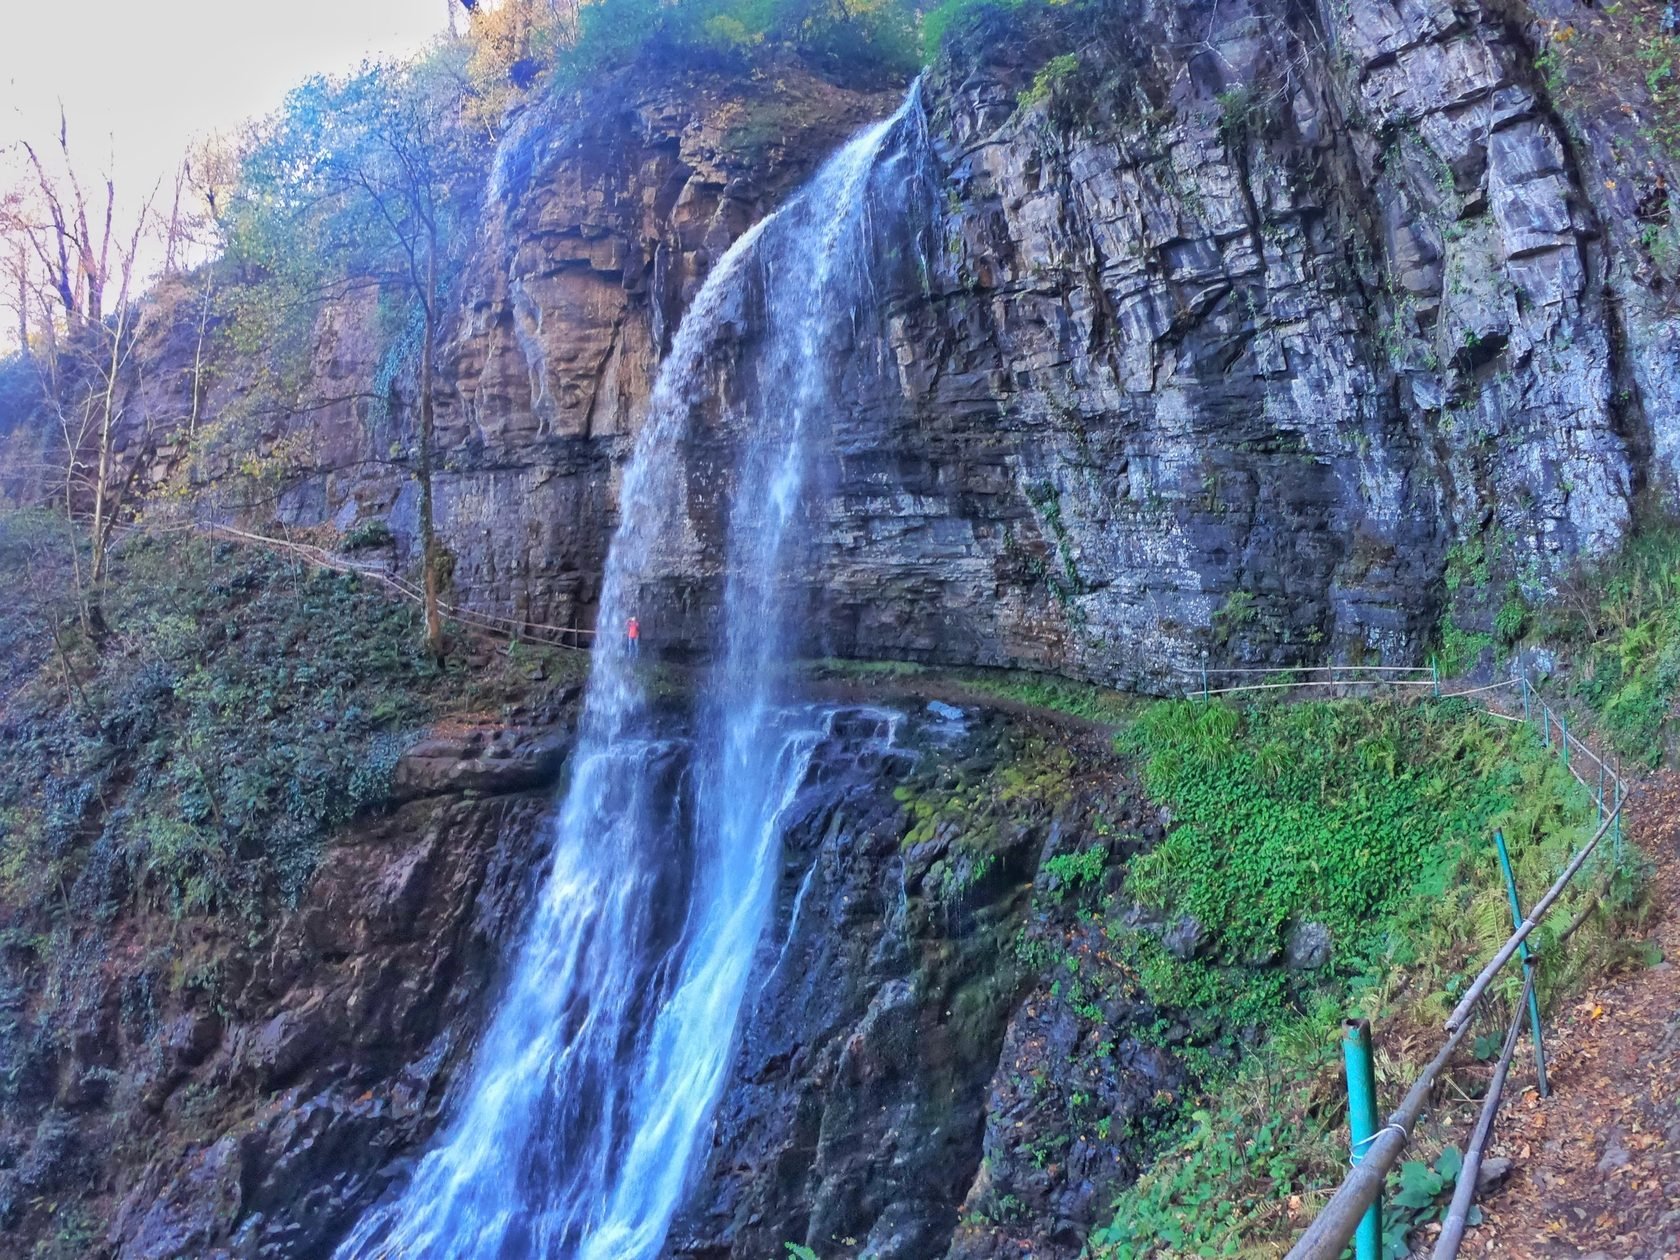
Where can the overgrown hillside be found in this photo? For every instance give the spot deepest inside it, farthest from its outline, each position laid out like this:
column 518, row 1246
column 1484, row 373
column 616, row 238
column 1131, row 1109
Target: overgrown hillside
column 222, row 879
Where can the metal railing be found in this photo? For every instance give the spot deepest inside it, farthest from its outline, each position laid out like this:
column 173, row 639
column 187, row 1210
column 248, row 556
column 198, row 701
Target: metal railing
column 1376, row 1151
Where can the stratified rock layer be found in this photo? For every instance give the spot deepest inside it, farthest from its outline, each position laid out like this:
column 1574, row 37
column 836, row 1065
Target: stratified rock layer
column 1224, row 336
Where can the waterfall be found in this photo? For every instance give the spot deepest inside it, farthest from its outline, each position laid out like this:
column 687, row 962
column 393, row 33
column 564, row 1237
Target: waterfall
column 598, row 1074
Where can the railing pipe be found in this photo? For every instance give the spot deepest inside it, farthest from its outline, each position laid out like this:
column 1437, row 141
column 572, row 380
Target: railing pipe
column 1461, row 1013
column 1337, row 1223
column 1294, row 686
column 1533, row 999
column 1362, row 1124
column 1621, row 795
column 1470, row 1171
column 1318, row 669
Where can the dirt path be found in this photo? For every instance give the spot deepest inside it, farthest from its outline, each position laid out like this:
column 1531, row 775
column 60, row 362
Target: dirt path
column 1597, row 1165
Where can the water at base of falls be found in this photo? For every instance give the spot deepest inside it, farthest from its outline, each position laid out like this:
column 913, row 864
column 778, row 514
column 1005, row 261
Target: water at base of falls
column 608, row 1050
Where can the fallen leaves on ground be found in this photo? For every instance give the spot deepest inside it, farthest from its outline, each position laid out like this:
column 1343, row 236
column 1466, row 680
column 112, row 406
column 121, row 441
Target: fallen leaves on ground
column 1598, row 1163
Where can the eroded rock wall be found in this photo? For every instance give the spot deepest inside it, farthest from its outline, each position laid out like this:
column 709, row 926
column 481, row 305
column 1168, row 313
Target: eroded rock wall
column 939, row 1056
column 218, row 1085
column 1223, row 332
column 1233, row 336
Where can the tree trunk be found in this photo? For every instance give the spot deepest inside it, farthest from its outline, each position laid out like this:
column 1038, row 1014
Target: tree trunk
column 428, row 531
column 104, row 508
column 22, row 264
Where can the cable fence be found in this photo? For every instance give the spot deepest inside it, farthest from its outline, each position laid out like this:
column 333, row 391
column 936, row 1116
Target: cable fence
column 576, row 638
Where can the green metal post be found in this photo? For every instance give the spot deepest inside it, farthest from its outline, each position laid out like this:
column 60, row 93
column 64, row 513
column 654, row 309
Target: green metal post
column 1362, row 1123
column 1435, row 675
column 1601, row 789
column 1545, row 726
column 1204, row 676
column 1528, row 960
column 1525, row 697
column 1563, row 740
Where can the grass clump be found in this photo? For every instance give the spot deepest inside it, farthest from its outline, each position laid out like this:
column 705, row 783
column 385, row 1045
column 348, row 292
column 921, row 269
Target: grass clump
column 1059, row 695
column 1333, row 812
column 1620, row 627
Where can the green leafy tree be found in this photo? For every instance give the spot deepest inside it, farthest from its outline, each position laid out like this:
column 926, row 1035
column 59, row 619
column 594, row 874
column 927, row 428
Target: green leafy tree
column 362, row 181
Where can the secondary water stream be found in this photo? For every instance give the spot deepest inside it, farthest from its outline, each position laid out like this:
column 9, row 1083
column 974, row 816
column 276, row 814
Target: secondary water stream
column 609, row 1047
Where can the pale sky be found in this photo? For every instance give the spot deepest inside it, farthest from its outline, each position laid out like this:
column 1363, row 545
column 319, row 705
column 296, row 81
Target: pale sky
column 143, row 80
column 155, row 75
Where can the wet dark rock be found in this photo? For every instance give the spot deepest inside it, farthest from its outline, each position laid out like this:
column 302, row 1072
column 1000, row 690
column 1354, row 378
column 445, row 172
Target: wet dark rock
column 1185, row 938
column 1308, row 947
column 905, row 1079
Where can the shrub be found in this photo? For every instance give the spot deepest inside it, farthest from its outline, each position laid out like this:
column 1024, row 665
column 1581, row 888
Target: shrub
column 1620, row 626
column 846, row 39
column 367, row 535
column 1044, row 83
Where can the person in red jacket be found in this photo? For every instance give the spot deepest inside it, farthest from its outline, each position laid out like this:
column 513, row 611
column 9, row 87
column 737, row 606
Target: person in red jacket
column 633, row 636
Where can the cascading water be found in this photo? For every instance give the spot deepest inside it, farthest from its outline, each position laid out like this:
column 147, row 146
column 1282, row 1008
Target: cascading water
column 609, row 1049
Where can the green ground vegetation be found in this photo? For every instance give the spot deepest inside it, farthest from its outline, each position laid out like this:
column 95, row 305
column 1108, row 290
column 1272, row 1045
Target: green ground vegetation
column 1375, row 820
column 1619, row 631
column 1371, row 818
column 849, row 39
column 241, row 708
column 1609, row 634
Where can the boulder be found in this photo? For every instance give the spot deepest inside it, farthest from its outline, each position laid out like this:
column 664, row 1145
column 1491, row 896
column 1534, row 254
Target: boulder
column 1185, row 938
column 1308, row 947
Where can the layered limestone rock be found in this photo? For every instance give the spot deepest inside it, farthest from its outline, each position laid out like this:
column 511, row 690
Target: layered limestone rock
column 1229, row 340
column 1219, row 334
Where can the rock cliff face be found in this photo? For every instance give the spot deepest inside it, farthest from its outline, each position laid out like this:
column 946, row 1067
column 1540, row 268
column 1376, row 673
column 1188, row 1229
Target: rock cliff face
column 922, row 1070
column 1235, row 335
column 187, row 1089
column 939, row 1054
column 1228, row 334
column 1230, row 327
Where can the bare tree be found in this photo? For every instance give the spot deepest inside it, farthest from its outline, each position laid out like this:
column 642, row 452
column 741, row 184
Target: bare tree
column 63, row 268
column 75, row 257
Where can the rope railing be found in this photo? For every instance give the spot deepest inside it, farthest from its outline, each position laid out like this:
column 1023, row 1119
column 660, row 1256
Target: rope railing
column 1319, row 669
column 576, row 638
